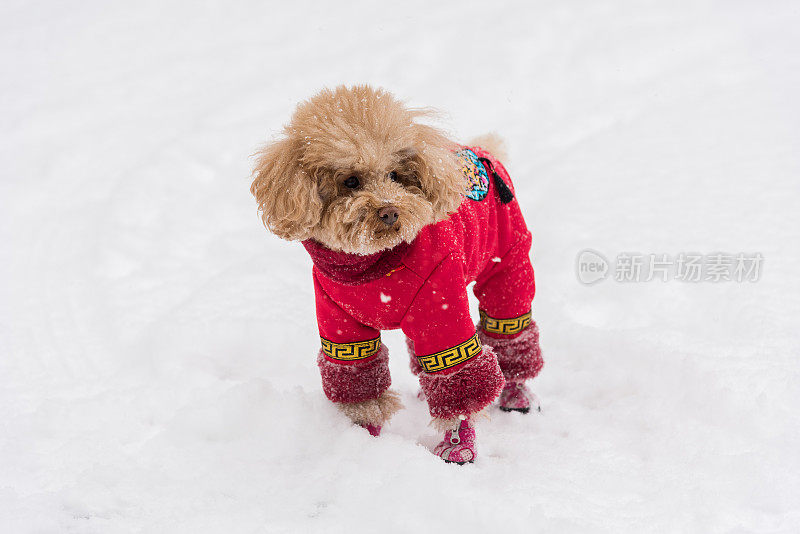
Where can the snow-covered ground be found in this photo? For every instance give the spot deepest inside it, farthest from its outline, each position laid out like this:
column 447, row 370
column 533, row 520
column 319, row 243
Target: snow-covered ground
column 157, row 345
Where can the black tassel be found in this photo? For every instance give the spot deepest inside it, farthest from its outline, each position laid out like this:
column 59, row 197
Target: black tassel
column 503, row 190
column 505, row 193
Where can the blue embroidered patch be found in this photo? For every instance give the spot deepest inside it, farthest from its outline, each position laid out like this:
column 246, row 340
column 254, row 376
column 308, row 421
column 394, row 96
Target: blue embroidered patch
column 475, row 174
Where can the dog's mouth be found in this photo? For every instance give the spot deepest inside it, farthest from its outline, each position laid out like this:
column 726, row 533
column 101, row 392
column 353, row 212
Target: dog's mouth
column 389, row 231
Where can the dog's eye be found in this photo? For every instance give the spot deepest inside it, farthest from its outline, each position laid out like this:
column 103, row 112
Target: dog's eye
column 352, row 182
column 393, row 176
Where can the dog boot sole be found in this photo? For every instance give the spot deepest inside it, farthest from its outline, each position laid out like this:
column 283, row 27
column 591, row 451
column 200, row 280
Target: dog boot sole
column 520, row 410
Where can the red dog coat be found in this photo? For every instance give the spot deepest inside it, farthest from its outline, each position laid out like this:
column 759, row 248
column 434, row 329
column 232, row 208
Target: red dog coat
column 421, row 288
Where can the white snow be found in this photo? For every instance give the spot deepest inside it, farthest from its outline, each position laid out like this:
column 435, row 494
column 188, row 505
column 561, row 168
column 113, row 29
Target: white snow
column 157, row 346
column 385, row 298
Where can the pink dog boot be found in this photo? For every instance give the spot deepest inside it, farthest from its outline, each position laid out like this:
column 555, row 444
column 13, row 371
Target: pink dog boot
column 374, row 430
column 516, row 397
column 458, row 445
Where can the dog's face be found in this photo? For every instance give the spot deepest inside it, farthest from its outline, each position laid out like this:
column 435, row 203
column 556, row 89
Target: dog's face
column 356, row 173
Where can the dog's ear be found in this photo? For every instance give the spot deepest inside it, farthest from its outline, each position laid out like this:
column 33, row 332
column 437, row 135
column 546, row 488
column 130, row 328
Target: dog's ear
column 438, row 170
column 288, row 197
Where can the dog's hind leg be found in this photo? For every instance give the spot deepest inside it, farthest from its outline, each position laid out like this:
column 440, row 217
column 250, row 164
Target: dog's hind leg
column 505, row 293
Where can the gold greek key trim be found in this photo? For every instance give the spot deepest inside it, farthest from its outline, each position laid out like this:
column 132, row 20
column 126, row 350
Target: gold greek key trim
column 351, row 351
column 505, row 326
column 451, row 357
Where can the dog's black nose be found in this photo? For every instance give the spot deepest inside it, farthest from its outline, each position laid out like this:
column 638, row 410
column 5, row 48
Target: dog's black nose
column 388, row 215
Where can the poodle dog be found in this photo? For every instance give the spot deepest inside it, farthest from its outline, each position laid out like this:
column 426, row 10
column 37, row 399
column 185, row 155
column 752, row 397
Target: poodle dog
column 398, row 220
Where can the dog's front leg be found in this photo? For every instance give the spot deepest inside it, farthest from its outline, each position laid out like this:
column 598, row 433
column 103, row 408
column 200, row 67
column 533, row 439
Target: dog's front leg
column 359, row 388
column 354, row 365
column 459, row 376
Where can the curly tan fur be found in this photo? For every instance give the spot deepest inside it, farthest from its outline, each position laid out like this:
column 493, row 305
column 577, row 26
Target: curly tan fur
column 373, row 412
column 492, row 143
column 443, row 424
column 361, row 132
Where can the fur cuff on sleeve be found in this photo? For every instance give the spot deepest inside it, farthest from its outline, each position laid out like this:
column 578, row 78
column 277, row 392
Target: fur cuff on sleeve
column 416, row 368
column 520, row 357
column 466, row 391
column 357, row 382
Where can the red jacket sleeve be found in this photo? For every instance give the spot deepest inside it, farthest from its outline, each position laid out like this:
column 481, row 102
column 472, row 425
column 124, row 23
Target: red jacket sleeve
column 335, row 324
column 353, row 364
column 438, row 318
